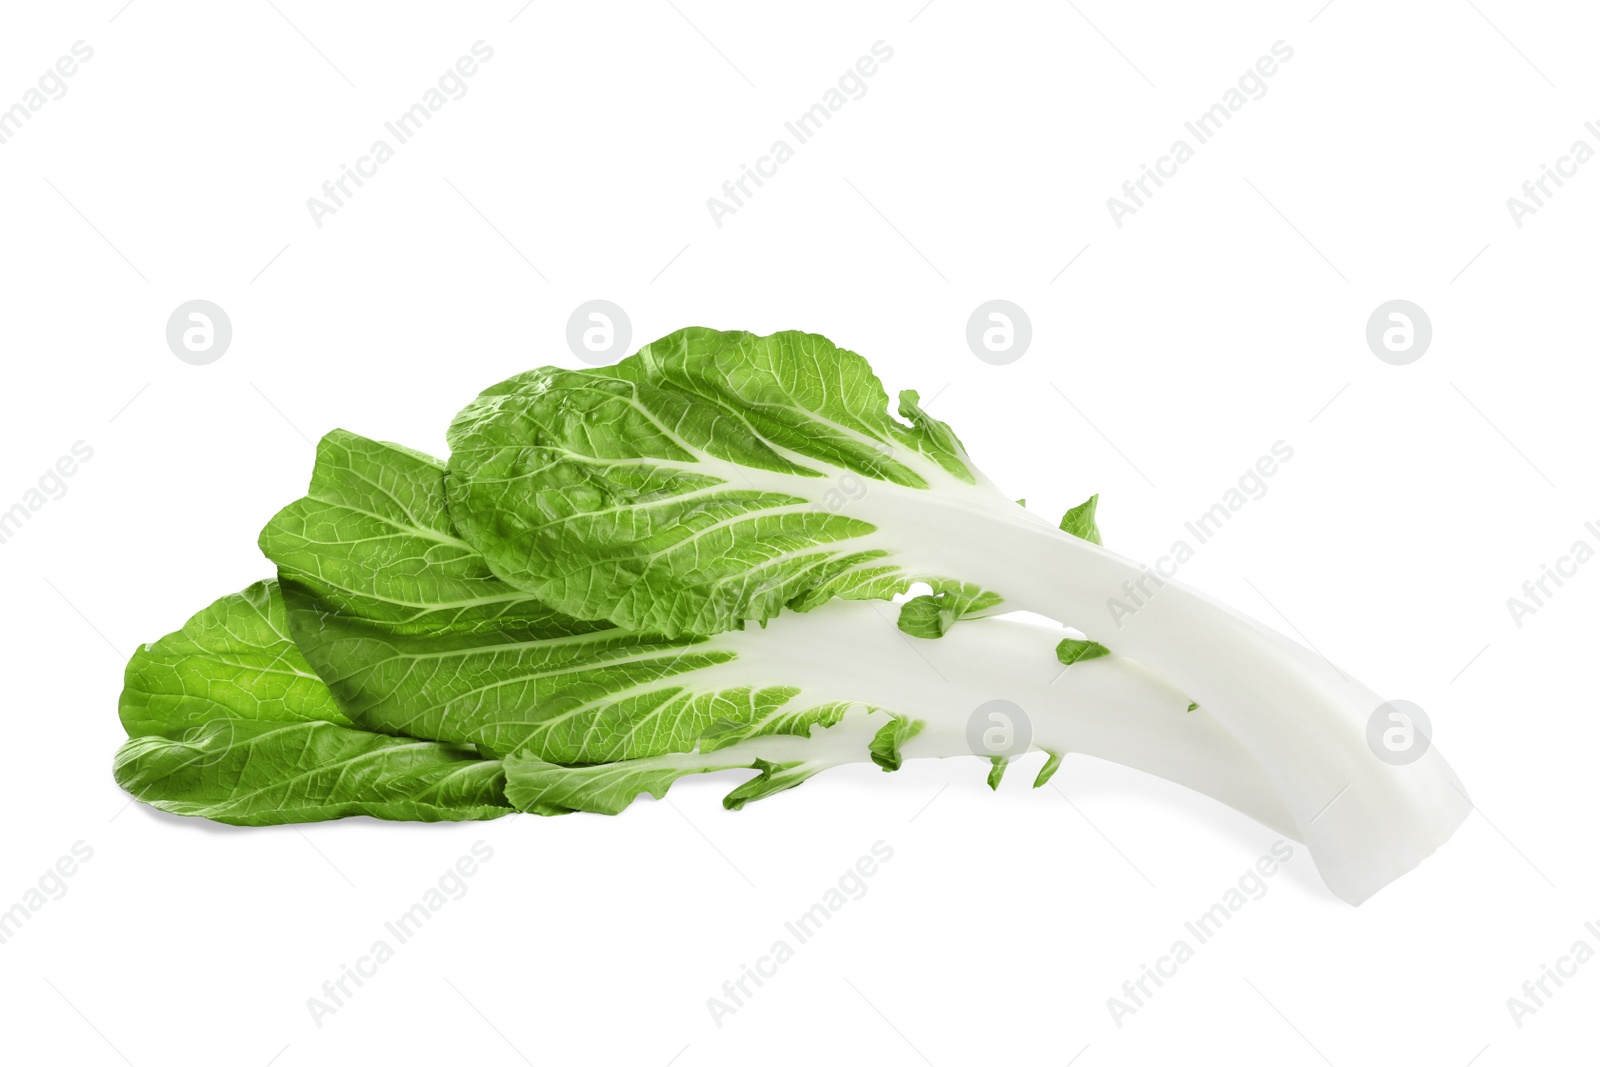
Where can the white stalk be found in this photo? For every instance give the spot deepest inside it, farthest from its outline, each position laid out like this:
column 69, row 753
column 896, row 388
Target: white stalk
column 1110, row 708
column 1365, row 821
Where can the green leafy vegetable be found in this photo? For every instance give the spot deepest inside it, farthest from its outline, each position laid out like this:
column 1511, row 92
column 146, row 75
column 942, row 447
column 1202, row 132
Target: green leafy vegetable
column 715, row 478
column 421, row 643
column 555, row 621
column 418, row 638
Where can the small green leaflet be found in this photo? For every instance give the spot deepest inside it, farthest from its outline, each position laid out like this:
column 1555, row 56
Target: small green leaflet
column 1079, row 521
column 885, row 747
column 997, row 770
column 932, row 614
column 1051, row 765
column 1072, row 650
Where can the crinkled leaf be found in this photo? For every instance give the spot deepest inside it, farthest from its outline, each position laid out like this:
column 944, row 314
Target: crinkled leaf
column 235, row 659
column 703, row 481
column 416, row 635
column 249, row 772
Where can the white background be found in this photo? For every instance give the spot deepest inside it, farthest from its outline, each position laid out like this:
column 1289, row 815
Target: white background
column 1225, row 315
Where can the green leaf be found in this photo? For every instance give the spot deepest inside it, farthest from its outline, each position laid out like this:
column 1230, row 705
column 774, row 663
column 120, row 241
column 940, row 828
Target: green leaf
column 926, row 616
column 707, row 480
column 784, row 715
column 249, row 772
column 1051, row 765
column 997, row 770
column 1071, row 650
column 227, row 720
column 416, row 635
column 544, row 788
column 932, row 614
column 774, row 778
column 1079, row 521
column 233, row 660
column 1192, row 706
column 885, row 746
